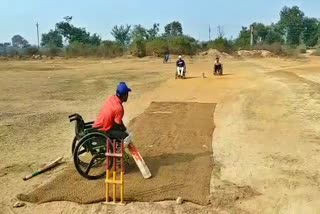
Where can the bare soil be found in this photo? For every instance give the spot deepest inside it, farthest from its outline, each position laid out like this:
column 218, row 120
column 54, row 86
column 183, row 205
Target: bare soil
column 179, row 157
column 265, row 144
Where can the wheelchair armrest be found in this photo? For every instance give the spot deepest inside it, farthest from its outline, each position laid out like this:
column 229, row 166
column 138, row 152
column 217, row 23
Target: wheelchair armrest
column 89, row 123
column 93, row 129
column 87, row 126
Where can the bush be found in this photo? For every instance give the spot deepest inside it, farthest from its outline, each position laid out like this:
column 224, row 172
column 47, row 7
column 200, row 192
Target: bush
column 293, row 51
column 275, row 48
column 282, row 50
column 106, row 49
column 317, row 51
column 138, row 48
column 110, row 49
column 54, row 51
column 301, row 48
column 183, row 45
column 81, row 49
column 221, row 44
column 203, row 46
column 33, row 50
column 289, row 51
column 51, row 50
column 12, row 51
column 158, row 46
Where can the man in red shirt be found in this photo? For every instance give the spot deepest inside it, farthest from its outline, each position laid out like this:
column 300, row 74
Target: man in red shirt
column 110, row 117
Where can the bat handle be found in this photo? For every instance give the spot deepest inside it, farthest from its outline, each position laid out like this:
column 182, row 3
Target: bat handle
column 27, row 177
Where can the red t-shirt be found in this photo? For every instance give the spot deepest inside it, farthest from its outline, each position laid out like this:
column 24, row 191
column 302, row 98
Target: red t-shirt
column 112, row 112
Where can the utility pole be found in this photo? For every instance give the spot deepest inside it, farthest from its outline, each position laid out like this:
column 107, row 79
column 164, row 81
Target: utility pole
column 251, row 35
column 209, row 33
column 38, row 34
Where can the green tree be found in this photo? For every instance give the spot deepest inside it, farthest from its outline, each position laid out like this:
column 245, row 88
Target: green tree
column 291, row 24
column 243, row 40
column 260, row 32
column 76, row 34
column 173, row 29
column 153, row 32
column 19, row 42
column 65, row 28
column 53, row 38
column 121, row 34
column 273, row 37
column 139, row 33
column 79, row 35
column 310, row 33
column 95, row 39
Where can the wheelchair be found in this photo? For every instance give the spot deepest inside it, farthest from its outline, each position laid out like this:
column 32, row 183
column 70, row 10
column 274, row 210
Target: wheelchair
column 218, row 69
column 183, row 75
column 89, row 148
column 166, row 59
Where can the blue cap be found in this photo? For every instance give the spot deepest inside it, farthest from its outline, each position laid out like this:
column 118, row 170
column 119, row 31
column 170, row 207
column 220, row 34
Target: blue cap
column 122, row 89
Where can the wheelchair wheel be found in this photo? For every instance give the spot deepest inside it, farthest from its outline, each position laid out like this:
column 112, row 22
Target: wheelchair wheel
column 74, row 142
column 89, row 156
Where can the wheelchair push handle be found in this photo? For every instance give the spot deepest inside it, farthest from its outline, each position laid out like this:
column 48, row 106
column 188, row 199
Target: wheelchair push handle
column 79, row 119
column 72, row 119
column 73, row 115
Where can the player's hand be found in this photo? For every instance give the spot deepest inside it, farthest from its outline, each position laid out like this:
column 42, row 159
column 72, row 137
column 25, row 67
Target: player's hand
column 127, row 140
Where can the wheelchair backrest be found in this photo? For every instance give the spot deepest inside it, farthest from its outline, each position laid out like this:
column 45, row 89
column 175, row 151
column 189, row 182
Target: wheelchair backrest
column 79, row 125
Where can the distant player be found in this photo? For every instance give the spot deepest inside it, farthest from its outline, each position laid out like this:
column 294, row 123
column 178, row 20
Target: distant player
column 181, row 66
column 166, row 58
column 217, row 66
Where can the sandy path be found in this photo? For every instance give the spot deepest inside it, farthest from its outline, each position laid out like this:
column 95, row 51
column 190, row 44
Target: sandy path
column 269, row 142
column 265, row 143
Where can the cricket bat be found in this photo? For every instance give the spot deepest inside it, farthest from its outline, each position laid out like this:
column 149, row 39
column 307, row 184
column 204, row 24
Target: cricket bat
column 139, row 161
column 137, row 157
column 43, row 169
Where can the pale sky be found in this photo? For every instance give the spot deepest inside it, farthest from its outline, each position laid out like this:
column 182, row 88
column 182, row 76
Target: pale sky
column 99, row 16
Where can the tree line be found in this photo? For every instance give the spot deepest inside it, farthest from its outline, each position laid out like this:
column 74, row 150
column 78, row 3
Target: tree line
column 293, row 31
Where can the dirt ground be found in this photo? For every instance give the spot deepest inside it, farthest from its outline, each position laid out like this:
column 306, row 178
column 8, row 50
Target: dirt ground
column 265, row 144
column 180, row 160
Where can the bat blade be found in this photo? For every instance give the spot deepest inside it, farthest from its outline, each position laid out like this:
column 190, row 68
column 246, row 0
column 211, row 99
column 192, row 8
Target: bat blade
column 139, row 161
